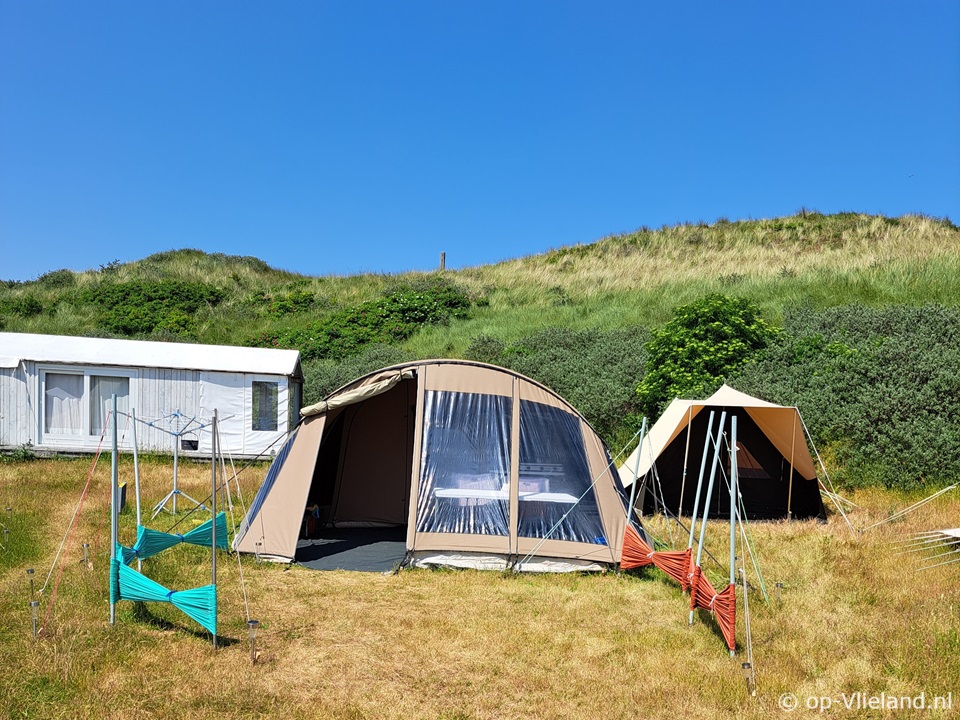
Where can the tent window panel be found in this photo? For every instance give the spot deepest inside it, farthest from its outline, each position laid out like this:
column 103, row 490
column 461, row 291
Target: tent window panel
column 63, row 404
column 465, row 464
column 265, row 396
column 554, row 474
column 102, row 388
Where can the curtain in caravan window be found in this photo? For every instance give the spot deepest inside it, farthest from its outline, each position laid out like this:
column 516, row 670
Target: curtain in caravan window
column 554, row 474
column 102, row 388
column 465, row 464
column 63, row 404
column 264, row 405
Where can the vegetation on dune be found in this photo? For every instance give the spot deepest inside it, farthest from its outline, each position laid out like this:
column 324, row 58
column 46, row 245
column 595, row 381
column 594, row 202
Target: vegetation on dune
column 879, row 388
column 703, row 343
column 385, row 321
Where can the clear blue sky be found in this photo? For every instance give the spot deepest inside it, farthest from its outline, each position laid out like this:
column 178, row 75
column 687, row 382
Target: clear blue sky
column 350, row 136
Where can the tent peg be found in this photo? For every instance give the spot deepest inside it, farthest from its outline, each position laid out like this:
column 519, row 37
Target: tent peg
column 252, row 626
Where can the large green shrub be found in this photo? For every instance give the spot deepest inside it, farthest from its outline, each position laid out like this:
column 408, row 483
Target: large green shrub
column 140, row 308
column 593, row 370
column 879, row 389
column 388, row 320
column 21, row 305
column 704, row 342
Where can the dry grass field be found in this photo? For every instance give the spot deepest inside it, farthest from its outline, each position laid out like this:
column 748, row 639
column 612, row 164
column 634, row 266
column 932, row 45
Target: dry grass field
column 854, row 617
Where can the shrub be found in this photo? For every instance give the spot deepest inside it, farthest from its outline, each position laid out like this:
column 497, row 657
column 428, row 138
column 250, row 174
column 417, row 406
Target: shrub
column 386, row 321
column 878, row 387
column 139, row 307
column 57, row 279
column 22, row 306
column 278, row 304
column 703, row 342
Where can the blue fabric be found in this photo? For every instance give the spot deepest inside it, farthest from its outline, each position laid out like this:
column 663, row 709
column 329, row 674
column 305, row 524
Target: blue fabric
column 151, row 542
column 198, row 603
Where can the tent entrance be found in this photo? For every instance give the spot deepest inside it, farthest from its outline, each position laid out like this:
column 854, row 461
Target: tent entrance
column 360, row 493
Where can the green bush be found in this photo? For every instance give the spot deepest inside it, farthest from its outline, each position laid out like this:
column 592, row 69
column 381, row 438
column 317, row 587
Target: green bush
column 140, row 308
column 879, row 389
column 386, row 321
column 593, row 370
column 57, row 279
column 704, row 342
column 278, row 304
column 22, row 306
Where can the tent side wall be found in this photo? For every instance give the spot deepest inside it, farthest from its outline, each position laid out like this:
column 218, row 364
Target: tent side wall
column 273, row 522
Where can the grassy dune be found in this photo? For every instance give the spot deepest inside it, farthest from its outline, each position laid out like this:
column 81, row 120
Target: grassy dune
column 854, row 617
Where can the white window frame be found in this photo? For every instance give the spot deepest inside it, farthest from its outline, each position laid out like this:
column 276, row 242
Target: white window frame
column 86, row 438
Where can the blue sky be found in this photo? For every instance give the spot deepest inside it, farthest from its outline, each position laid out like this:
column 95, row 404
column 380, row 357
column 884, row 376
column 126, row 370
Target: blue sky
column 344, row 137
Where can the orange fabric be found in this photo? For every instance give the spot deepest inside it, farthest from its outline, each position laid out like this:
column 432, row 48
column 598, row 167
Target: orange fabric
column 636, row 553
column 675, row 564
column 723, row 605
column 695, row 586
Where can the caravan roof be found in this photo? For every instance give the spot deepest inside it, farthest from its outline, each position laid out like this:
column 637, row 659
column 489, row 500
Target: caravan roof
column 67, row 349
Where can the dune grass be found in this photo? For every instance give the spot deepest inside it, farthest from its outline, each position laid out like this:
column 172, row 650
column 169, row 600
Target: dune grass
column 854, row 617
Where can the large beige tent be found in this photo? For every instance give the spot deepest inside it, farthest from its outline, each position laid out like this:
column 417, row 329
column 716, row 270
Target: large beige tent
column 483, row 467
column 777, row 476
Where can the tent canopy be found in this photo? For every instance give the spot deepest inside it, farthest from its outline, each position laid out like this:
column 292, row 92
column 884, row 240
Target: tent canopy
column 480, row 464
column 776, row 470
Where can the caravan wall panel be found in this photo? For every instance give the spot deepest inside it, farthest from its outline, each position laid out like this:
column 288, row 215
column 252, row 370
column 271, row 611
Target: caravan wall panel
column 16, row 428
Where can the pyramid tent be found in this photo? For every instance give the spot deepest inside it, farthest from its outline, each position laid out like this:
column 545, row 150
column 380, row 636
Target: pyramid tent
column 482, row 466
column 776, row 472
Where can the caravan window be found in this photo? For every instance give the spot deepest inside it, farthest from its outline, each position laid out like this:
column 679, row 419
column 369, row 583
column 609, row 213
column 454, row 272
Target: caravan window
column 76, row 402
column 265, row 405
column 465, row 464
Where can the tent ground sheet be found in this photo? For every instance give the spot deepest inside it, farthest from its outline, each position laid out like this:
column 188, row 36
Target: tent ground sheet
column 378, row 549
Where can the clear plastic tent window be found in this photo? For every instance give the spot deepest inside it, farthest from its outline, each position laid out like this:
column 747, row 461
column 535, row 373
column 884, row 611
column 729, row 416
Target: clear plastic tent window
column 465, row 464
column 554, row 474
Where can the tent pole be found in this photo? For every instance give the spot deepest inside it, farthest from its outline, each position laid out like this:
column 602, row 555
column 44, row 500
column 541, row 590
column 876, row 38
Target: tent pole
column 793, row 447
column 703, row 467
column 686, row 455
column 706, row 502
column 136, row 475
column 176, row 462
column 213, row 509
column 734, row 471
column 114, row 481
column 636, row 470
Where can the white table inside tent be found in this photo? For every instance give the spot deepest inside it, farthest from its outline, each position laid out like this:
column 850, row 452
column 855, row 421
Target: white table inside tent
column 533, row 487
column 503, row 493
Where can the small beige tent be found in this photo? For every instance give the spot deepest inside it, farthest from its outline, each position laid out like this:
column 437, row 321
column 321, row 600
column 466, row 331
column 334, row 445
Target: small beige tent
column 777, row 477
column 483, row 467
